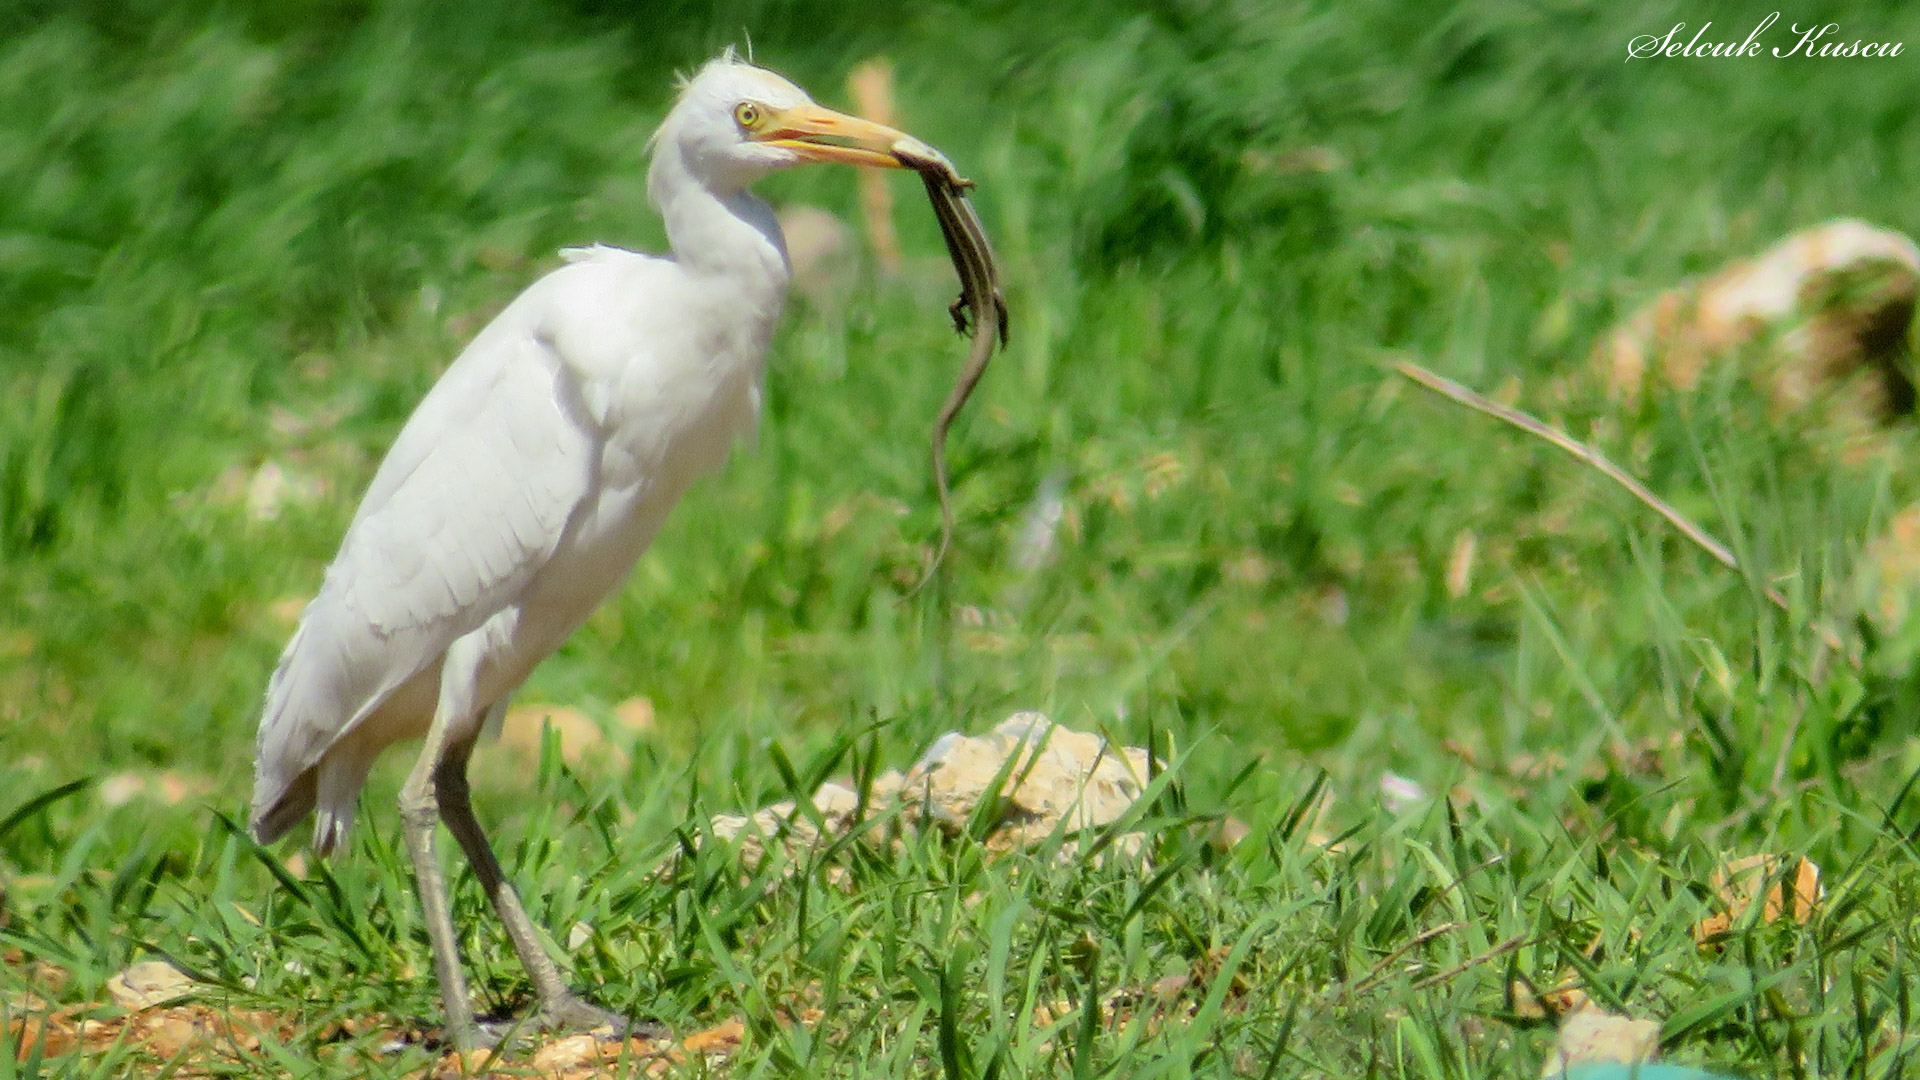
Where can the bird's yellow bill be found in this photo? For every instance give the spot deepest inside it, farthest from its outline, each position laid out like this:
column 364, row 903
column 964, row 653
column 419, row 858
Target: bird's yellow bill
column 820, row 134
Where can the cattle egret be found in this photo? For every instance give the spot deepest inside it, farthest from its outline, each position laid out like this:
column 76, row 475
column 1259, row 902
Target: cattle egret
column 527, row 483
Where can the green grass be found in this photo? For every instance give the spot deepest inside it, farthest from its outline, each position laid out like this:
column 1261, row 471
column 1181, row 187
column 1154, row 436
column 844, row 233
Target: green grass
column 240, row 236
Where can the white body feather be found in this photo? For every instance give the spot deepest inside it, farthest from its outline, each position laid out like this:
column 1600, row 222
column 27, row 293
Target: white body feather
column 524, row 487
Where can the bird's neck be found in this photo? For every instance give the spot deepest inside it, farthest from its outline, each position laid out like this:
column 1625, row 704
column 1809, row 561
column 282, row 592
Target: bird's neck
column 731, row 235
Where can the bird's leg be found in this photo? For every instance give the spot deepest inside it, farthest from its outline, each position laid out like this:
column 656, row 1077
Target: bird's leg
column 420, row 817
column 560, row 1007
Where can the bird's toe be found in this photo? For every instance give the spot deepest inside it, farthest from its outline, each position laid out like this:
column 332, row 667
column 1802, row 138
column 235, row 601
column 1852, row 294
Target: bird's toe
column 571, row 1013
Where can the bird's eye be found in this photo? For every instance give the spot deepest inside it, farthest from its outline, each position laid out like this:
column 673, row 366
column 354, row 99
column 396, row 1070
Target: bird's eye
column 746, row 114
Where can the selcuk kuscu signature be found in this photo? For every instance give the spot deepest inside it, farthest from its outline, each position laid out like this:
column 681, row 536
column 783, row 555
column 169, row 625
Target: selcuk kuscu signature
column 1814, row 42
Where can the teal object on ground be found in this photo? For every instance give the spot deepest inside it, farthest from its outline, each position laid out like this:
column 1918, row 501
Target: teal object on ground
column 1640, row 1072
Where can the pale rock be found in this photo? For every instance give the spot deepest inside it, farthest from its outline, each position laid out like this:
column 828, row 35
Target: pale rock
column 1059, row 777
column 1171, row 987
column 148, row 983
column 583, row 1056
column 1056, row 779
column 717, row 1041
column 1836, row 300
column 168, row 1035
column 751, row 832
column 121, row 788
column 581, row 739
column 635, row 714
column 1594, row 1036
column 834, row 803
column 885, row 788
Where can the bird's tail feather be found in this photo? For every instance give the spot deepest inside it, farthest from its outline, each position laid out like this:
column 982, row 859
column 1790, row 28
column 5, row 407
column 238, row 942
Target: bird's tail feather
column 273, row 820
column 331, row 825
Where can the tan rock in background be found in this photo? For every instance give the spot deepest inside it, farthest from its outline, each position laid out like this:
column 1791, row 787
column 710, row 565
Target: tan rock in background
column 582, row 740
column 823, row 252
column 1051, row 778
column 1059, row 776
column 1833, row 304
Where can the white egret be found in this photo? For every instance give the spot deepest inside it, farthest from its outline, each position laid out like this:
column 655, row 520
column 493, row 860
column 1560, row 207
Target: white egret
column 527, row 483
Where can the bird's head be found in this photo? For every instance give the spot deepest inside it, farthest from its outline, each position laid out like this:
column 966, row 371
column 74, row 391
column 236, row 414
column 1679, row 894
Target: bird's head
column 735, row 122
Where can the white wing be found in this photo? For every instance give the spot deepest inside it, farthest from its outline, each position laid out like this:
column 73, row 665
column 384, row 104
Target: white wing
column 472, row 500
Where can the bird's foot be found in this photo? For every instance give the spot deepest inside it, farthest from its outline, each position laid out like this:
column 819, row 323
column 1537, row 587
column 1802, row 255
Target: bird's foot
column 559, row 1015
column 569, row 1012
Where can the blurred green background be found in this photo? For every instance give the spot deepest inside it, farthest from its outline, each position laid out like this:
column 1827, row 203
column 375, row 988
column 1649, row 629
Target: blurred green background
column 240, row 240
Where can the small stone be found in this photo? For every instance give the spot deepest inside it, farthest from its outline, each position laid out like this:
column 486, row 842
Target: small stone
column 147, row 984
column 581, row 739
column 572, row 1052
column 173, row 789
column 51, row 1035
column 460, row 1064
column 170, row 1034
column 635, row 714
column 752, row 833
column 836, row 803
column 1399, row 794
column 1739, row 883
column 723, row 1038
column 287, row 610
column 121, row 788
column 886, row 788
column 1593, row 1036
